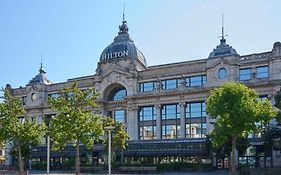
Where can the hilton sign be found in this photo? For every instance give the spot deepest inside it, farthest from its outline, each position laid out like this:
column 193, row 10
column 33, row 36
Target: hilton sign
column 115, row 55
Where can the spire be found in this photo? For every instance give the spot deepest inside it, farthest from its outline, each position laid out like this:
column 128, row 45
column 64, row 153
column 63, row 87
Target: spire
column 223, row 41
column 123, row 28
column 41, row 70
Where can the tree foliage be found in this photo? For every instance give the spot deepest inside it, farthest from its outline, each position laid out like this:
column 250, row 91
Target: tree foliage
column 120, row 136
column 18, row 129
column 277, row 99
column 237, row 112
column 75, row 122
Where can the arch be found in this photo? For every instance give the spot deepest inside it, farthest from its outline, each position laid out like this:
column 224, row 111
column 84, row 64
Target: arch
column 115, row 92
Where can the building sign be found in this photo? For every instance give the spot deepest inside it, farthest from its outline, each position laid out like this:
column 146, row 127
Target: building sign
column 119, row 54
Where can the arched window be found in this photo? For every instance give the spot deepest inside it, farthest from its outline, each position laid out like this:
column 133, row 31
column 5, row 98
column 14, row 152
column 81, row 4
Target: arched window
column 117, row 94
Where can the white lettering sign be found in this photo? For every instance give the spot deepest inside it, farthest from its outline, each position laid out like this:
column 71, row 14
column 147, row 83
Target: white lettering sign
column 115, row 55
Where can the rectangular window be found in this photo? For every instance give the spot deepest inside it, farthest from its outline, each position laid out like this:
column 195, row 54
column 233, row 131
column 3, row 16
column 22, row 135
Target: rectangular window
column 147, row 113
column 147, row 86
column 54, row 95
column 195, row 109
column 196, row 130
column 147, row 132
column 245, row 74
column 170, row 84
column 170, row 112
column 119, row 115
column 23, row 100
column 262, row 72
column 196, row 80
column 170, row 131
column 262, row 98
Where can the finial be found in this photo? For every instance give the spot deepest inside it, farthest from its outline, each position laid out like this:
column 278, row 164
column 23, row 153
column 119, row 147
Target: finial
column 123, row 28
column 124, row 12
column 222, row 29
column 41, row 70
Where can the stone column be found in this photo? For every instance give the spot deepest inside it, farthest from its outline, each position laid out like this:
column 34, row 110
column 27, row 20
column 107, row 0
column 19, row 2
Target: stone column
column 182, row 120
column 158, row 121
column 132, row 123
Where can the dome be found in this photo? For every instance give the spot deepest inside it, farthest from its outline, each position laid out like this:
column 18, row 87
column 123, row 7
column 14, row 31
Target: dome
column 41, row 78
column 223, row 49
column 277, row 44
column 122, row 47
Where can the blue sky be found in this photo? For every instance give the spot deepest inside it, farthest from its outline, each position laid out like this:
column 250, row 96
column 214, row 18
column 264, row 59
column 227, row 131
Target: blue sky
column 72, row 34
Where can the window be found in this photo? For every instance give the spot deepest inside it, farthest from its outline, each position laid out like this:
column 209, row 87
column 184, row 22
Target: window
column 196, row 130
column 170, row 112
column 119, row 115
column 196, row 109
column 245, row 74
column 170, row 84
column 147, row 123
column 23, row 100
column 147, row 86
column 147, row 113
column 222, row 73
column 147, row 132
column 170, row 121
column 170, row 131
column 197, row 126
column 117, row 94
column 262, row 72
column 262, row 98
column 196, row 80
column 54, row 95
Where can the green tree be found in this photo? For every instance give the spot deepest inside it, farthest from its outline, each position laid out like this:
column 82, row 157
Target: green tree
column 75, row 122
column 120, row 136
column 237, row 111
column 277, row 99
column 18, row 129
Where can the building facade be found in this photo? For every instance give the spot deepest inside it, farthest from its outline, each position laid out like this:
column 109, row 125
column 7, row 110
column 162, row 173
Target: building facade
column 163, row 107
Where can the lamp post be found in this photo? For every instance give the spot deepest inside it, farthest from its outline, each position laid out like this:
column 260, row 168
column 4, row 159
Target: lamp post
column 109, row 128
column 47, row 120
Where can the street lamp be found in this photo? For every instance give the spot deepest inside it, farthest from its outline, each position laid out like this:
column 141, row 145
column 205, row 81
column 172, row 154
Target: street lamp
column 109, row 128
column 47, row 121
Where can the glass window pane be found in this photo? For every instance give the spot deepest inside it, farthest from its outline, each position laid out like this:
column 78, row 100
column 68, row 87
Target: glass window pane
column 119, row 115
column 196, row 81
column 262, row 72
column 170, row 131
column 147, row 86
column 170, row 84
column 245, row 74
column 147, row 113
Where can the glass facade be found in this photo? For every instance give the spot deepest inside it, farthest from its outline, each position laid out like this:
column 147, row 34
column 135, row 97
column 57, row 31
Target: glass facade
column 262, row 72
column 170, row 84
column 147, row 86
column 196, row 126
column 245, row 74
column 147, row 124
column 147, row 132
column 147, row 113
column 195, row 109
column 196, row 130
column 196, row 80
column 170, row 131
column 170, row 112
column 170, row 116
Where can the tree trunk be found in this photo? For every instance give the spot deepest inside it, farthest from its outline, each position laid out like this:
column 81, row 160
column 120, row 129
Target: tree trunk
column 20, row 161
column 77, row 159
column 233, row 156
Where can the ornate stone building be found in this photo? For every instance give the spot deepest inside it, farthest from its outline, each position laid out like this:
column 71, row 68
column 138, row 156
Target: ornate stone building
column 162, row 106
